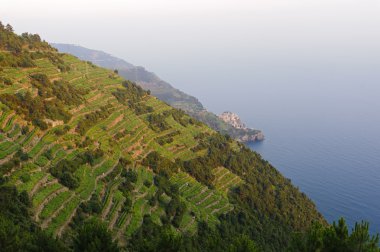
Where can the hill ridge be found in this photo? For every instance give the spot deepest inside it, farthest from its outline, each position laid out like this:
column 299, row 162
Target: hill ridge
column 151, row 171
column 163, row 90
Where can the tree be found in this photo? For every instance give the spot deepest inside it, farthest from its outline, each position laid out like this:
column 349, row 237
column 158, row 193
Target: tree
column 361, row 240
column 242, row 243
column 9, row 28
column 17, row 230
column 336, row 238
column 94, row 236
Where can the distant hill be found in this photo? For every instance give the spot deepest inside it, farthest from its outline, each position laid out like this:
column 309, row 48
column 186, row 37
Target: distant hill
column 96, row 162
column 162, row 90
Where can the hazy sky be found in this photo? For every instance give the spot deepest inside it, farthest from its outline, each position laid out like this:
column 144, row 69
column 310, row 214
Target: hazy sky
column 209, row 47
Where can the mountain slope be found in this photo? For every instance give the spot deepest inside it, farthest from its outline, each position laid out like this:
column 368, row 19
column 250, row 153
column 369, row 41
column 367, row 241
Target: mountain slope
column 162, row 90
column 84, row 143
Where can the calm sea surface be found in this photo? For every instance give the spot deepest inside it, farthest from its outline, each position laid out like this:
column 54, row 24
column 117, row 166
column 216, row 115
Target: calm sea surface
column 339, row 170
column 326, row 139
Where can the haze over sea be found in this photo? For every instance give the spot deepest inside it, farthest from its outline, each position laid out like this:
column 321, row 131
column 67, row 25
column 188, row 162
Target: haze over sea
column 328, row 145
column 322, row 127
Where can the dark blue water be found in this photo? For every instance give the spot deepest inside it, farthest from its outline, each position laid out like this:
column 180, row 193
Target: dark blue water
column 339, row 171
column 326, row 139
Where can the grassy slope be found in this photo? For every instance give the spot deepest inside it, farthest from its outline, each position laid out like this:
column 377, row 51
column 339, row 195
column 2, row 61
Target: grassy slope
column 46, row 193
column 55, row 206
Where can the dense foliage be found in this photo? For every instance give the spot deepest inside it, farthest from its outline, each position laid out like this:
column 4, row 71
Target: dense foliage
column 65, row 169
column 336, row 238
column 17, row 230
column 14, row 162
column 151, row 237
column 92, row 118
column 36, row 109
column 266, row 200
column 49, row 102
column 157, row 122
column 94, row 236
column 132, row 95
column 159, row 164
column 168, row 138
column 19, row 233
column 60, row 89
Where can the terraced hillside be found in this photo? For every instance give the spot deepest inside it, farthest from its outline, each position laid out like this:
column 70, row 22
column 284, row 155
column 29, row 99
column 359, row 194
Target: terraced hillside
column 83, row 142
column 162, row 90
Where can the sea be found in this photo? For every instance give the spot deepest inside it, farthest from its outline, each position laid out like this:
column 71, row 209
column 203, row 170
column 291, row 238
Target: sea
column 326, row 139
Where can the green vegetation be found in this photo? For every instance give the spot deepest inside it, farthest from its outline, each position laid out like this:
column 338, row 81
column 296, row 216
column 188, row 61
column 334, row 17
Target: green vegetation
column 17, row 230
column 35, row 109
column 336, row 238
column 102, row 165
column 65, row 169
column 91, row 119
column 159, row 164
column 94, row 236
column 62, row 90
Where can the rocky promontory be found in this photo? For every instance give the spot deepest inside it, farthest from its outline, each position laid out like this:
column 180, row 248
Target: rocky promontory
column 241, row 131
